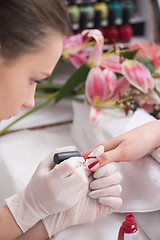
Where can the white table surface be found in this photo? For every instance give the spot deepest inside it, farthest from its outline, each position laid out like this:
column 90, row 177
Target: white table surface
column 20, row 153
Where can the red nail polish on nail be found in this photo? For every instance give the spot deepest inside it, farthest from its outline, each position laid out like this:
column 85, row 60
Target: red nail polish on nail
column 87, row 157
column 92, row 165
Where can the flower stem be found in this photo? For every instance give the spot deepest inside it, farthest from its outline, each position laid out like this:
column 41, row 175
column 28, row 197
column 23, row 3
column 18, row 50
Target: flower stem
column 50, row 98
column 48, row 87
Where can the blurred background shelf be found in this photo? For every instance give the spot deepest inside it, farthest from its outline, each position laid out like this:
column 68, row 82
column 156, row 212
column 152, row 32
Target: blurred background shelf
column 145, row 19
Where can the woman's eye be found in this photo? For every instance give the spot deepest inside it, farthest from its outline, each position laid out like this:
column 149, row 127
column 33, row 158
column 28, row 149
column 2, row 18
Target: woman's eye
column 35, row 81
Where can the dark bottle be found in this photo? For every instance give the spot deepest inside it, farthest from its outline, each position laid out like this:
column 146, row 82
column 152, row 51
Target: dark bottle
column 82, row 22
column 97, row 21
column 130, row 5
column 114, row 4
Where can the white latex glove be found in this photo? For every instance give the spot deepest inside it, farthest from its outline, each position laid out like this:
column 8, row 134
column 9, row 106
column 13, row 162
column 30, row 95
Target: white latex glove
column 88, row 209
column 106, row 186
column 50, row 190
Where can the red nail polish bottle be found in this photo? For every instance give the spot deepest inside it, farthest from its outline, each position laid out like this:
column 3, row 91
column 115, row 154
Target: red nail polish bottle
column 128, row 229
column 125, row 30
column 111, row 32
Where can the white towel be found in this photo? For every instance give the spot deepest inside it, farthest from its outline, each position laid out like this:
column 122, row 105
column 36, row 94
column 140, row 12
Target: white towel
column 141, row 179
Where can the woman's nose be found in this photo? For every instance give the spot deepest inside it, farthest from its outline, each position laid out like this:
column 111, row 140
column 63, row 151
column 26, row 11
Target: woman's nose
column 30, row 101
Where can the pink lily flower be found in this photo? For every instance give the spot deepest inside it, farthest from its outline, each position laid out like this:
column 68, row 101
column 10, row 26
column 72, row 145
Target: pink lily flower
column 137, row 75
column 149, row 50
column 73, row 49
column 112, row 62
column 100, row 86
column 96, row 53
column 110, row 83
column 122, row 87
column 95, row 85
column 146, row 101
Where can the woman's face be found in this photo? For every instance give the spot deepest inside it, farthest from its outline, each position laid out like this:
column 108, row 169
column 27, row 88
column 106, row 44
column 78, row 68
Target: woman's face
column 18, row 78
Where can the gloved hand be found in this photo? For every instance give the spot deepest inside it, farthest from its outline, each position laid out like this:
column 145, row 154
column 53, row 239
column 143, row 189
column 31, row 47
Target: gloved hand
column 50, row 190
column 106, row 186
column 106, row 189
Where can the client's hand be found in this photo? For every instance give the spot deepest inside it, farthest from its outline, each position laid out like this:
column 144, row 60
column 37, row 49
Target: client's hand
column 106, row 188
column 131, row 145
column 50, row 190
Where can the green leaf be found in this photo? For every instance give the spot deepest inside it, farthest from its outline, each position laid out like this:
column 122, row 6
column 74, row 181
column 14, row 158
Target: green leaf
column 119, row 75
column 131, row 54
column 158, row 93
column 48, row 88
column 148, row 63
column 77, row 77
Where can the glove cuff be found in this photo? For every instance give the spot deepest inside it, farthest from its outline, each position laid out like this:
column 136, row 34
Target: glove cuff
column 23, row 213
column 57, row 222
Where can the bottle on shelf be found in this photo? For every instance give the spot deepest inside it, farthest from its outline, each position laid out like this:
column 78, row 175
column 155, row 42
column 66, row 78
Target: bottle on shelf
column 128, row 229
column 82, row 22
column 125, row 30
column 130, row 5
column 111, row 31
column 97, row 21
column 114, row 4
column 87, row 8
column 102, row 6
column 74, row 11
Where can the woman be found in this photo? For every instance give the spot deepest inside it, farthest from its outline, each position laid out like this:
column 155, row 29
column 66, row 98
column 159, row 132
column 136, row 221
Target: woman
column 31, row 39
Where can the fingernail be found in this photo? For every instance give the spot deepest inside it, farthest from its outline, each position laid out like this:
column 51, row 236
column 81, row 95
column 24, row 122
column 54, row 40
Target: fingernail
column 102, row 199
column 93, row 194
column 80, row 160
column 94, row 165
column 89, row 157
column 97, row 151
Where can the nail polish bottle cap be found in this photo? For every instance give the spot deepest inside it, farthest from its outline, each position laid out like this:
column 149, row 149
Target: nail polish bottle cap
column 129, row 218
column 83, row 21
column 130, row 5
column 86, row 2
column 125, row 16
column 111, row 18
column 60, row 157
column 71, row 2
column 97, row 19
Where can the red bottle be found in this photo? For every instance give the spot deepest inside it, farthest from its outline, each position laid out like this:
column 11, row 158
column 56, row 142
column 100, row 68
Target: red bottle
column 111, row 32
column 128, row 229
column 125, row 30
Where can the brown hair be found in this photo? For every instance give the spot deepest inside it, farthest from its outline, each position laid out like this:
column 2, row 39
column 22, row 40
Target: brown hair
column 25, row 24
